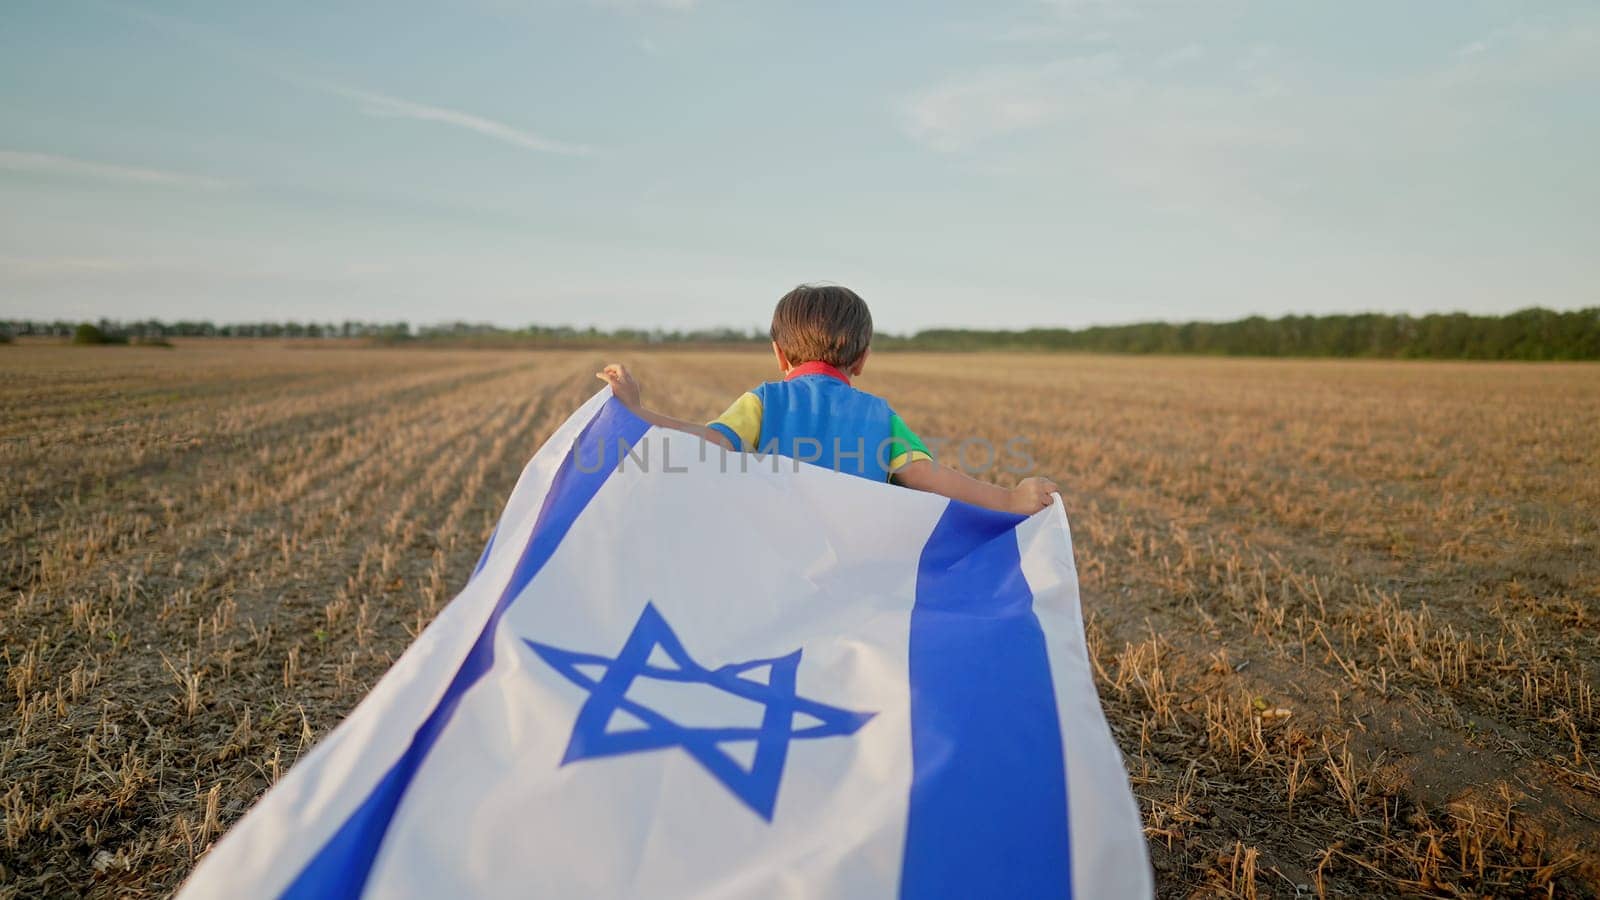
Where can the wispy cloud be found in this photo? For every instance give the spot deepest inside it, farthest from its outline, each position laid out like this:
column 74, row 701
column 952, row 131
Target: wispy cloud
column 51, row 164
column 1180, row 57
column 971, row 108
column 1528, row 54
column 75, row 265
column 371, row 103
column 1176, row 143
column 1265, row 141
column 637, row 5
column 384, row 106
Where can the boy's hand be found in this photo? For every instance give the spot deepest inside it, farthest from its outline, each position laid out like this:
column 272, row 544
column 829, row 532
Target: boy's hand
column 1031, row 495
column 622, row 384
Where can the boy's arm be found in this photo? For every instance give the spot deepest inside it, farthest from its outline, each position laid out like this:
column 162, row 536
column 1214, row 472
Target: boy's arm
column 1027, row 498
column 626, row 390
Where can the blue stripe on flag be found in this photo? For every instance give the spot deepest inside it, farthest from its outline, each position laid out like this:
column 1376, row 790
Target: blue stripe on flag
column 988, row 814
column 341, row 867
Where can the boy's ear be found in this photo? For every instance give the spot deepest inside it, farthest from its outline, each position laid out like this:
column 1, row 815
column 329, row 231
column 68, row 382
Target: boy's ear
column 861, row 362
column 783, row 358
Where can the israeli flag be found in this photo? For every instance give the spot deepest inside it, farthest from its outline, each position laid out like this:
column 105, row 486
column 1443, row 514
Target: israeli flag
column 683, row 673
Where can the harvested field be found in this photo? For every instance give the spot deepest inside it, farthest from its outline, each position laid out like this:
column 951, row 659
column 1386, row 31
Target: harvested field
column 1345, row 615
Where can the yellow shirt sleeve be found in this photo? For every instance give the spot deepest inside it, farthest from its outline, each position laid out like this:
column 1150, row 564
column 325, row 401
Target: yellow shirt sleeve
column 741, row 423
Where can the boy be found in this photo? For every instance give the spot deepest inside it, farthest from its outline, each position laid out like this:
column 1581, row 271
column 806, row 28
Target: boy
column 820, row 335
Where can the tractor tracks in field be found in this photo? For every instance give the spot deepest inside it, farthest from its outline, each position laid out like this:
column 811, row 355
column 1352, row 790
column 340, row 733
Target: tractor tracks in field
column 236, row 649
column 218, row 478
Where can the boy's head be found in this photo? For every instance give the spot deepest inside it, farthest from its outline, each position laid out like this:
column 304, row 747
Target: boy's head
column 822, row 323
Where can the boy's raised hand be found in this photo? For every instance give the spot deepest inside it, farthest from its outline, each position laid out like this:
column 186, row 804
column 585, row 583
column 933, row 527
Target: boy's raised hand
column 626, row 390
column 1031, row 495
column 622, row 384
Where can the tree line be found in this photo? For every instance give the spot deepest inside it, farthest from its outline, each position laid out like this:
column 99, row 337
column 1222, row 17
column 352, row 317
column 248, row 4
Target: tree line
column 1529, row 334
column 120, row 331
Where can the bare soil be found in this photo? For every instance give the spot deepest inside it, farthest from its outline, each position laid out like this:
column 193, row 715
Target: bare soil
column 1345, row 615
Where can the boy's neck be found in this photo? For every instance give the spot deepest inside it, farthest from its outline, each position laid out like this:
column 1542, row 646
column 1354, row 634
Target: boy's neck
column 816, row 367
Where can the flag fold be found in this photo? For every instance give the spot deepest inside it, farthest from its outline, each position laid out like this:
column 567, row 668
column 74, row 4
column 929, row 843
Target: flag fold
column 678, row 671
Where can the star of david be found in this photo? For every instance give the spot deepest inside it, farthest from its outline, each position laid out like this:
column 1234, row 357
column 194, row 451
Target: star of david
column 756, row 786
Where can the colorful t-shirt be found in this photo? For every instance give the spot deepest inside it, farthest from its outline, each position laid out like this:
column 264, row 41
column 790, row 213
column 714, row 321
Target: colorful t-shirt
column 814, row 415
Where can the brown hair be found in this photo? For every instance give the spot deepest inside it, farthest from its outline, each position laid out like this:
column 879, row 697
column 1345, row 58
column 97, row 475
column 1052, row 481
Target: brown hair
column 822, row 323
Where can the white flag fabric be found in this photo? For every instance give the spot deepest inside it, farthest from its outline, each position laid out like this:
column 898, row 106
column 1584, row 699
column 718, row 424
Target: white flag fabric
column 678, row 672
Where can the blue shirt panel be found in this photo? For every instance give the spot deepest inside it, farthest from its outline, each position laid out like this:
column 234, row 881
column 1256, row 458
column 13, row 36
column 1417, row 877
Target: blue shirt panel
column 820, row 419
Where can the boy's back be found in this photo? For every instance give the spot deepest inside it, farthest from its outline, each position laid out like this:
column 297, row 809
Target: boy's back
column 821, row 336
column 815, row 415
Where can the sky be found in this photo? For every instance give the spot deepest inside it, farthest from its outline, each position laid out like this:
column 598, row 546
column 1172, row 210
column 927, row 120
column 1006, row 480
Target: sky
column 682, row 163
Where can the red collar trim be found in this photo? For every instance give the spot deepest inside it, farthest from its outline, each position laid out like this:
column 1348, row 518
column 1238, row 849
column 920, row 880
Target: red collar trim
column 816, row 368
